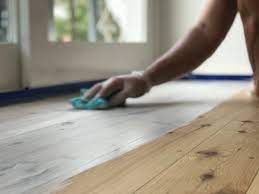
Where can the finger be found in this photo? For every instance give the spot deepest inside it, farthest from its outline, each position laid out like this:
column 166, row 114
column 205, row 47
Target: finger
column 110, row 88
column 119, row 99
column 90, row 94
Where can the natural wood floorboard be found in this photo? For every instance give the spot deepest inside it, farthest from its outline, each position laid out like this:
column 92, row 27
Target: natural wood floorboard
column 254, row 188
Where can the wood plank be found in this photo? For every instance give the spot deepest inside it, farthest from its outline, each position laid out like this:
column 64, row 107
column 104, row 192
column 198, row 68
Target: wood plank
column 45, row 142
column 144, row 170
column 61, row 156
column 225, row 163
column 254, row 188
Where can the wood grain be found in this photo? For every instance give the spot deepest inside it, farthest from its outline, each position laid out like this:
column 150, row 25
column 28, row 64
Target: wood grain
column 254, row 188
column 45, row 142
column 217, row 153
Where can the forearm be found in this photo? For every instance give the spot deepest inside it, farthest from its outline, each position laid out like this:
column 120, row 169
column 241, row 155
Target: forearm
column 183, row 58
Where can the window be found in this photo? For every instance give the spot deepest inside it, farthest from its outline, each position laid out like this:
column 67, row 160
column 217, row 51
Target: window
column 9, row 65
column 65, row 41
column 98, row 20
column 7, row 18
column 4, row 23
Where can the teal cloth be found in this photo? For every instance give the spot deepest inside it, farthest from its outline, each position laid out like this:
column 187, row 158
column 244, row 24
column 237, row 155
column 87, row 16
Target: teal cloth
column 95, row 104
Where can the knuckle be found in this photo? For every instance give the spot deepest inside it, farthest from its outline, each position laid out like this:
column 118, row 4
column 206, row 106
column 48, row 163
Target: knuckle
column 96, row 86
column 99, row 85
column 105, row 90
column 116, row 80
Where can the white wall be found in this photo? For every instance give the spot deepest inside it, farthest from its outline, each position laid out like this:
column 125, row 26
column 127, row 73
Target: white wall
column 177, row 16
column 10, row 77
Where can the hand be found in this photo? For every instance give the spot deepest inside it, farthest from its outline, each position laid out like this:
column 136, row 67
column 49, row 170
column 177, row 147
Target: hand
column 120, row 88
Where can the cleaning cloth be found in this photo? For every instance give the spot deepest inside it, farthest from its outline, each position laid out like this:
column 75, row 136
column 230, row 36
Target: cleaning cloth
column 94, row 104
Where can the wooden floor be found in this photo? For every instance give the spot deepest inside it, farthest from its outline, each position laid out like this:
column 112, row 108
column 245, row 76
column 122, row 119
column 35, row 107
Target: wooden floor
column 44, row 143
column 218, row 153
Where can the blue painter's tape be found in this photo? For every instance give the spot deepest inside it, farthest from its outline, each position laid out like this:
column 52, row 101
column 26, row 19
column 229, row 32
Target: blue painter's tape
column 29, row 95
column 218, row 77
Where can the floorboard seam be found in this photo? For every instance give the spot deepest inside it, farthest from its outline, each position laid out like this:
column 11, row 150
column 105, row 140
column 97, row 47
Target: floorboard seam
column 206, row 139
